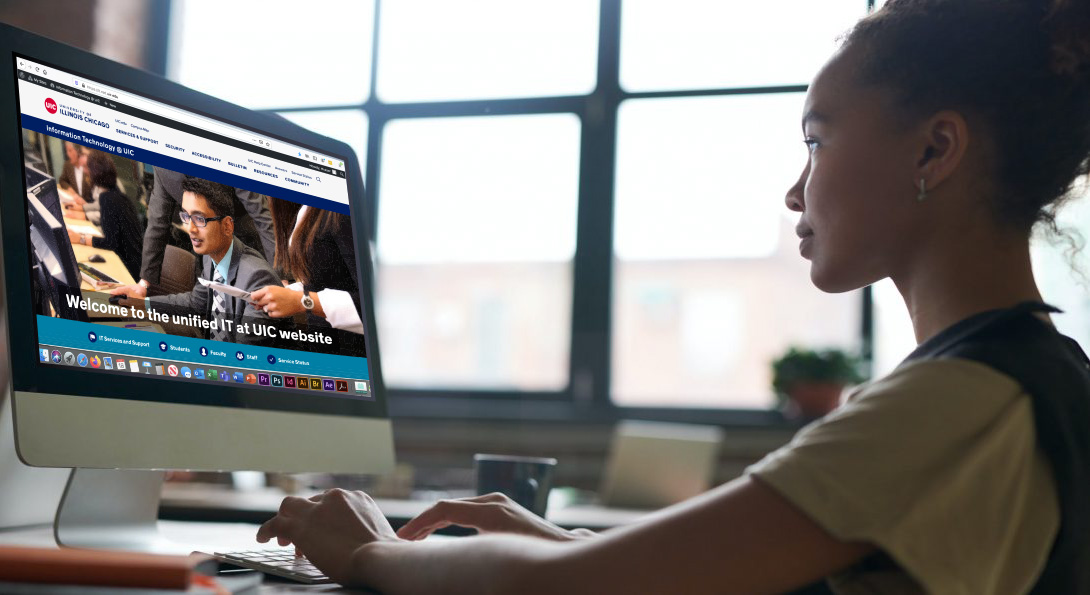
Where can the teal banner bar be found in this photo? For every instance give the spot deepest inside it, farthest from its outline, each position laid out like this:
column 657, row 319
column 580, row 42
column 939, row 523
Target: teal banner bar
column 153, row 345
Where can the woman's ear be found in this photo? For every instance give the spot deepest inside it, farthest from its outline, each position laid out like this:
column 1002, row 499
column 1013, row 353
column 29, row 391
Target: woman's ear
column 945, row 139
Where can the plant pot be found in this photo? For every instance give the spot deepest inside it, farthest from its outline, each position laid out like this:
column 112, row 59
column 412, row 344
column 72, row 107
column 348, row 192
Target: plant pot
column 815, row 399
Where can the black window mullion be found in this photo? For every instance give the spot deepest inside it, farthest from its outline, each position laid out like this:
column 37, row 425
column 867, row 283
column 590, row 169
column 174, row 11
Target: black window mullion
column 157, row 42
column 866, row 344
column 376, row 124
column 591, row 335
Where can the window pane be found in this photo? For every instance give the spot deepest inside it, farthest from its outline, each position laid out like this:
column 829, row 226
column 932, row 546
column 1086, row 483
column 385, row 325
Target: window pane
column 475, row 241
column 894, row 337
column 1060, row 285
column 695, row 44
column 349, row 126
column 709, row 286
column 274, row 53
column 436, row 50
column 705, row 177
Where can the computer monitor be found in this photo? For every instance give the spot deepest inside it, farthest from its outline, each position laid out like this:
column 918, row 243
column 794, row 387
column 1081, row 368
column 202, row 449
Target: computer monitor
column 33, row 175
column 196, row 379
column 55, row 273
column 44, row 189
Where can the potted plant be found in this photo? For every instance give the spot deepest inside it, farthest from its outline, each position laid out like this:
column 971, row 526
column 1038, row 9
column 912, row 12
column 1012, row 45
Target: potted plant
column 808, row 383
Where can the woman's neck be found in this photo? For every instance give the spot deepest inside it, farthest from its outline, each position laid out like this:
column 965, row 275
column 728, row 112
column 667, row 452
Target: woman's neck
column 950, row 281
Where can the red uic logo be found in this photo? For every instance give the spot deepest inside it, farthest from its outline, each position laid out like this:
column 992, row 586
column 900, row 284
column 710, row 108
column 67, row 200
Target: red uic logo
column 50, row 106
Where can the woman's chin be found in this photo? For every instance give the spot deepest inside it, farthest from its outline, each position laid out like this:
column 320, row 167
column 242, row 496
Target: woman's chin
column 830, row 280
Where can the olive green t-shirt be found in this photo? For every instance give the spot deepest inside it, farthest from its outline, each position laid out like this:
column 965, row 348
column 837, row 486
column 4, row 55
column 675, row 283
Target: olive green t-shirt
column 937, row 465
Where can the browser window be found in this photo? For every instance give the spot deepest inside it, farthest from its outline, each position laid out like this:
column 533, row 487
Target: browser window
column 168, row 243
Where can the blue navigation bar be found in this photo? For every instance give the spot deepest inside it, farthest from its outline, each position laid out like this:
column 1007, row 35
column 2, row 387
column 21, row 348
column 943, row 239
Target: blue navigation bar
column 175, row 164
column 152, row 345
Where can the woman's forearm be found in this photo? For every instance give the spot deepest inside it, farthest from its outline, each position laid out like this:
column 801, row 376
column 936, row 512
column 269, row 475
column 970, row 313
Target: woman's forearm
column 733, row 539
column 481, row 564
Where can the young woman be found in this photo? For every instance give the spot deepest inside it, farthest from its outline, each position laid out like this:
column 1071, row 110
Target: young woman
column 940, row 133
column 313, row 247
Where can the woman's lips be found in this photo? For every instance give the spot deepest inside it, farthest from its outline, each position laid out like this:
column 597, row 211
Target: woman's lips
column 804, row 243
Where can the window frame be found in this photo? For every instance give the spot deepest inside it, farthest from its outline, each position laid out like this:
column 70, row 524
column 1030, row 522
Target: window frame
column 587, row 396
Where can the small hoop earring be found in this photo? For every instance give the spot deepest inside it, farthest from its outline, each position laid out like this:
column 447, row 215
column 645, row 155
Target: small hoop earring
column 922, row 194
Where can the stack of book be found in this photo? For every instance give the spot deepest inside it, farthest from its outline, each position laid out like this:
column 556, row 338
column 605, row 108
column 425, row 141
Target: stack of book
column 39, row 571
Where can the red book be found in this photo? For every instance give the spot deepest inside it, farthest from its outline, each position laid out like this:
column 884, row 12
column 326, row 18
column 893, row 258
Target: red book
column 73, row 566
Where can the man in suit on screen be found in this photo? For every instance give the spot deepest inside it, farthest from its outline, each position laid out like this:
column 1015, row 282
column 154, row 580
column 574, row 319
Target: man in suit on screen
column 207, row 216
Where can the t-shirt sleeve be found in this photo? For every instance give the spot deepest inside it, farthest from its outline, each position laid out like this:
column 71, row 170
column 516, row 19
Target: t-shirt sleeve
column 937, row 465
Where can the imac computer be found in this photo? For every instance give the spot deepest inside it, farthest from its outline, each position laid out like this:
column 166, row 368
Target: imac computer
column 117, row 388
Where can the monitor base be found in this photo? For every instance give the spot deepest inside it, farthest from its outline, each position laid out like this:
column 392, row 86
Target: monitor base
column 115, row 509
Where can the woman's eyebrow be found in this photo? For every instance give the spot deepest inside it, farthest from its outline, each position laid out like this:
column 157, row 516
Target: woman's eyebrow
column 813, row 116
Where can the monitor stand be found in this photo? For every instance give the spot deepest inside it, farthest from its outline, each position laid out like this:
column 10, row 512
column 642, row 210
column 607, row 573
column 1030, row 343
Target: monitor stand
column 118, row 509
column 113, row 509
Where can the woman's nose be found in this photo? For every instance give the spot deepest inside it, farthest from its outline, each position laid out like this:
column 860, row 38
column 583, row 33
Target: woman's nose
column 793, row 199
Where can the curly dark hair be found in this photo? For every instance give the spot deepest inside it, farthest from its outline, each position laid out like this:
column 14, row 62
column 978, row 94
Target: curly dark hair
column 220, row 197
column 1019, row 67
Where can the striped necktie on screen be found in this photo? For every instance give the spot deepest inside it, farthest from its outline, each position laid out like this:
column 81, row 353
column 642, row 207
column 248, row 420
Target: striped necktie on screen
column 219, row 308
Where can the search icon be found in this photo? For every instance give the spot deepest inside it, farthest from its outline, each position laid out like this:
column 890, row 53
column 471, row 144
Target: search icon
column 317, row 179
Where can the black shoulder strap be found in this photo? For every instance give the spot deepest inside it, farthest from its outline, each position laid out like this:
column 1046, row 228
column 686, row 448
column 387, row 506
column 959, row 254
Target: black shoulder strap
column 1055, row 372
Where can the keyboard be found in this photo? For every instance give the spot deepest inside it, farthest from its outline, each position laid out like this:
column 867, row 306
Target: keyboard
column 279, row 562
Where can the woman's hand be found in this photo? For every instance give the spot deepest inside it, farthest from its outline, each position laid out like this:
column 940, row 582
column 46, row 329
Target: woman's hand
column 329, row 529
column 490, row 513
column 277, row 301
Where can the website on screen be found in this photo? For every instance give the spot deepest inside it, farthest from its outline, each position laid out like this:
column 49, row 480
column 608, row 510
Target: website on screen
column 167, row 243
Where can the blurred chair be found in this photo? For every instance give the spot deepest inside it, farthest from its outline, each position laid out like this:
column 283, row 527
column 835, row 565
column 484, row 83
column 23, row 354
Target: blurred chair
column 179, row 272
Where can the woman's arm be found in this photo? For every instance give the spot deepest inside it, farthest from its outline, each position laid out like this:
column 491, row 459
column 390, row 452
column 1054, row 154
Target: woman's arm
column 742, row 537
column 339, row 309
column 739, row 538
column 335, row 305
column 280, row 302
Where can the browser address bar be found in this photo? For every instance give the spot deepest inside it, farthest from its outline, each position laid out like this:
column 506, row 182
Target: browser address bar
column 186, row 118
column 168, row 111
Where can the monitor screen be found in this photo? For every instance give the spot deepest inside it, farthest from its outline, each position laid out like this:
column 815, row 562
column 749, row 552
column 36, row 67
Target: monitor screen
column 173, row 247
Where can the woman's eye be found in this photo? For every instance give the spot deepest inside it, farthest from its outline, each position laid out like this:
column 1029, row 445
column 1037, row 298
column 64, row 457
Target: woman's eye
column 810, row 143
